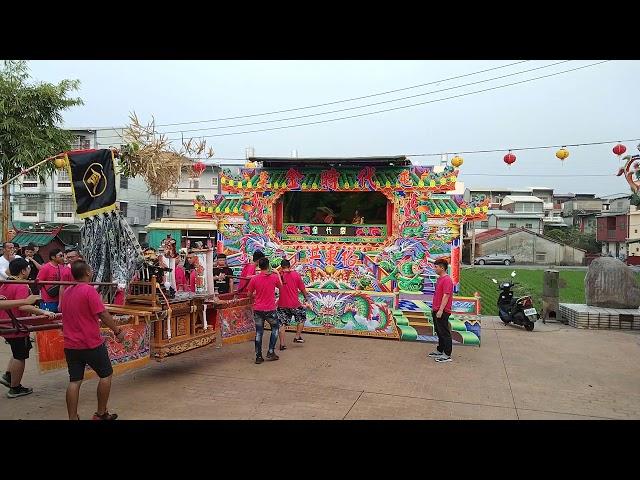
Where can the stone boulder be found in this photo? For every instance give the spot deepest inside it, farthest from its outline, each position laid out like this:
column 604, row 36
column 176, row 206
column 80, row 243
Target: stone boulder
column 610, row 283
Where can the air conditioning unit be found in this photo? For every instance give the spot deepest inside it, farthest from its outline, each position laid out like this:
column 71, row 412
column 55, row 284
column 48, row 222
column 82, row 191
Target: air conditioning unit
column 136, row 221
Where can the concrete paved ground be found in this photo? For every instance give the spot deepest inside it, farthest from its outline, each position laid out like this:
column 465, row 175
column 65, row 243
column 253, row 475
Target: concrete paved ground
column 554, row 372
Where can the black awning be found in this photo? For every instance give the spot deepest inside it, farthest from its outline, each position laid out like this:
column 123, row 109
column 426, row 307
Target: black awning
column 281, row 162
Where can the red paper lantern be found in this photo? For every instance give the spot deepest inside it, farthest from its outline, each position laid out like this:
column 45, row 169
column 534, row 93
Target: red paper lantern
column 509, row 158
column 198, row 168
column 619, row 149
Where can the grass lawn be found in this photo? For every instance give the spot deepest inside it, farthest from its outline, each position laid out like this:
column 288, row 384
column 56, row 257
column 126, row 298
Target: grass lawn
column 529, row 283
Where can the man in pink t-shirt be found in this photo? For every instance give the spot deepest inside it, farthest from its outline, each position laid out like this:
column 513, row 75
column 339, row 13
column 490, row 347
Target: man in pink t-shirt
column 82, row 310
column 289, row 306
column 20, row 343
column 264, row 287
column 249, row 270
column 51, row 271
column 441, row 309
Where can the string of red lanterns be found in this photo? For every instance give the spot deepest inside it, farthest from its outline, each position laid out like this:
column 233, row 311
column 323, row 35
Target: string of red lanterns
column 509, row 158
column 619, row 149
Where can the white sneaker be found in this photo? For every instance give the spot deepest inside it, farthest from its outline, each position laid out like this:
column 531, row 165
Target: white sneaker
column 435, row 354
column 444, row 358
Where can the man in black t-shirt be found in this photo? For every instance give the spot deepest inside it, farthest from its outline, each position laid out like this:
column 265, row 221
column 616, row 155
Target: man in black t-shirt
column 221, row 275
column 29, row 254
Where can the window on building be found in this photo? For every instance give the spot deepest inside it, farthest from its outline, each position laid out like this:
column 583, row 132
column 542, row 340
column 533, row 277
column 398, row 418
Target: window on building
column 528, row 225
column 30, row 180
column 64, row 203
column 214, row 182
column 124, row 181
column 484, row 224
column 31, row 203
column 123, row 208
column 153, row 212
column 541, row 256
column 81, row 143
column 63, row 179
column 194, row 182
column 512, row 225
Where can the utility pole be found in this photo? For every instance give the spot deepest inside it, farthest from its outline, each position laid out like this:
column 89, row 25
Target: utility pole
column 473, row 242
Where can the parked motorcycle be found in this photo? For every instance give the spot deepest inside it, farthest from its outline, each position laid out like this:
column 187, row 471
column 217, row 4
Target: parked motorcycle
column 519, row 311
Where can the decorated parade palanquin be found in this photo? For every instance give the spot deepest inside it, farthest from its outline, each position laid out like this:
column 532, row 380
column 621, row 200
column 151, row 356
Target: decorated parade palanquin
column 133, row 352
column 180, row 324
column 232, row 314
column 363, row 233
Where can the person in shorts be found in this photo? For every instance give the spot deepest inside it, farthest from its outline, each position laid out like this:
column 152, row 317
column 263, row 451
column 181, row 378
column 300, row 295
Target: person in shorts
column 289, row 306
column 263, row 286
column 82, row 310
column 20, row 342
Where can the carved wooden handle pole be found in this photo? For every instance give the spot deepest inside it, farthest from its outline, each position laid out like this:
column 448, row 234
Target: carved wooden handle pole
column 24, row 172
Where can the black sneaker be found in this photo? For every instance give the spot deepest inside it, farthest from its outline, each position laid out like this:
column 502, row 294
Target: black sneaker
column 283, row 347
column 259, row 360
column 435, row 354
column 444, row 358
column 19, row 391
column 104, row 416
column 272, row 356
column 6, row 380
column 298, row 340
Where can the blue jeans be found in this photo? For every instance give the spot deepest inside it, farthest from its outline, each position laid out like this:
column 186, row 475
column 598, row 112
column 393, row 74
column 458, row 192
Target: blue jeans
column 259, row 317
column 49, row 306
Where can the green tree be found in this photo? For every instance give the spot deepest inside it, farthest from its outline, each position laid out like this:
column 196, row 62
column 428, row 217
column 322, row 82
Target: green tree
column 30, row 115
column 573, row 237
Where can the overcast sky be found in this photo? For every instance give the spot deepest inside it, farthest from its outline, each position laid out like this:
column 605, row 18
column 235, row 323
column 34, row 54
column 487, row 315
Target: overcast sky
column 600, row 103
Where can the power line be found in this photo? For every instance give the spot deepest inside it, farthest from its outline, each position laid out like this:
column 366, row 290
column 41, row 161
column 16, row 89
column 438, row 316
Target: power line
column 531, row 175
column 401, row 107
column 465, row 152
column 327, row 103
column 360, row 106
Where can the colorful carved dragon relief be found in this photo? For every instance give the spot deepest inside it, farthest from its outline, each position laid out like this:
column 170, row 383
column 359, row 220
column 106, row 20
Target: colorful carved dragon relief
column 335, row 267
column 260, row 214
column 631, row 172
column 350, row 312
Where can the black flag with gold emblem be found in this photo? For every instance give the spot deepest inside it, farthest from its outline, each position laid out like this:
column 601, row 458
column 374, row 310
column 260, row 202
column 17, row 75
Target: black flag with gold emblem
column 93, row 181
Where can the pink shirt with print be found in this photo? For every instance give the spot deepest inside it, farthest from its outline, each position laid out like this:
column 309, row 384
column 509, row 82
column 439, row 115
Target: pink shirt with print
column 248, row 270
column 10, row 291
column 81, row 305
column 47, row 273
column 291, row 284
column 265, row 287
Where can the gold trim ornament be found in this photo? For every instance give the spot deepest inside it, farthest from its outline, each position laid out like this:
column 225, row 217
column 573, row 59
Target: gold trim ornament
column 562, row 154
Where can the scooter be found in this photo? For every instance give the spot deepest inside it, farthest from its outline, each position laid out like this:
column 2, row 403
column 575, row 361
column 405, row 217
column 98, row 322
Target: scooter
column 519, row 311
